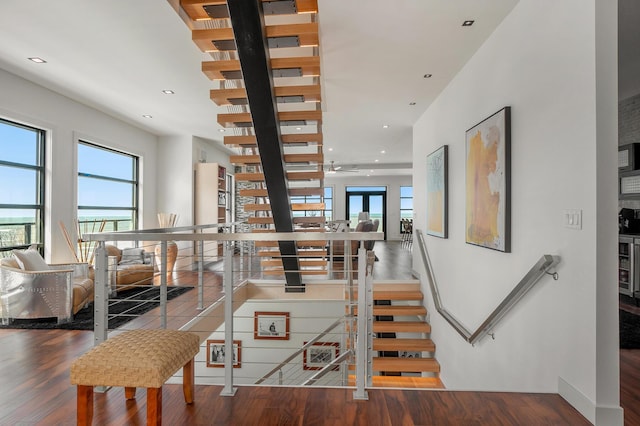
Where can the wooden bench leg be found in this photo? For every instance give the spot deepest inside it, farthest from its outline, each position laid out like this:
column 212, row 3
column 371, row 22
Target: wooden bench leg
column 154, row 406
column 188, row 378
column 84, row 405
column 130, row 393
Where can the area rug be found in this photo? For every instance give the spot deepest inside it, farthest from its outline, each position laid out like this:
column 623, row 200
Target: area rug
column 629, row 330
column 128, row 303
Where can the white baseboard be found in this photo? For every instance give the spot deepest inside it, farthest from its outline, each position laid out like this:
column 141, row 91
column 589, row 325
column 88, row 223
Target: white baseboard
column 598, row 415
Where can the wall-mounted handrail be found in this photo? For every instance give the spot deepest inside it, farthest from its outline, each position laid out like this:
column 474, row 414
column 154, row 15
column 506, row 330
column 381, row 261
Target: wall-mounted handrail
column 537, row 271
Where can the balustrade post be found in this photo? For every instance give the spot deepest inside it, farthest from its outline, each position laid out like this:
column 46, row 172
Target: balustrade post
column 362, row 339
column 101, row 295
column 228, row 389
column 200, row 274
column 163, row 284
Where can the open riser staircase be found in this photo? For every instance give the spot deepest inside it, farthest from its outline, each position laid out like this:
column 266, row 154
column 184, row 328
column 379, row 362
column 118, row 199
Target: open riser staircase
column 404, row 352
column 291, row 32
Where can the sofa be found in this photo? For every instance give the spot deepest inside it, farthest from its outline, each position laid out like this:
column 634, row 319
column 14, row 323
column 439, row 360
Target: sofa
column 30, row 288
column 133, row 266
column 338, row 245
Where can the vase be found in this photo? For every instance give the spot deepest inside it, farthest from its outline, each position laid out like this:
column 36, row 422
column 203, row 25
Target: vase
column 172, row 255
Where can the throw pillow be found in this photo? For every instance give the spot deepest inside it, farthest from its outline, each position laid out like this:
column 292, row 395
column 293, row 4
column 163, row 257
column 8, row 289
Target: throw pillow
column 132, row 256
column 30, row 260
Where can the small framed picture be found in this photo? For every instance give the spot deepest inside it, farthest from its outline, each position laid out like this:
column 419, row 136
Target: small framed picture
column 222, row 198
column 216, row 353
column 409, row 354
column 319, row 355
column 271, row 325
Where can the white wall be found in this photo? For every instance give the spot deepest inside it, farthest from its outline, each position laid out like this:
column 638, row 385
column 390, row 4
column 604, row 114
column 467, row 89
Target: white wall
column 545, row 70
column 66, row 120
column 392, row 183
column 307, row 318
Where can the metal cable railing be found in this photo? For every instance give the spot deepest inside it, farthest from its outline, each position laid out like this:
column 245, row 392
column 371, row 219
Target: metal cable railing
column 237, row 304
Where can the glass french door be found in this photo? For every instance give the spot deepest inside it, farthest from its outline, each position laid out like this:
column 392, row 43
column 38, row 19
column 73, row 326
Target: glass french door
column 372, row 200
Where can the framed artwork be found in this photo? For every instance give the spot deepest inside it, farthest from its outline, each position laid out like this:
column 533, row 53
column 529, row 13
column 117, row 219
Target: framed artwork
column 222, row 198
column 437, row 192
column 488, row 182
column 271, row 325
column 216, row 354
column 409, row 354
column 318, row 355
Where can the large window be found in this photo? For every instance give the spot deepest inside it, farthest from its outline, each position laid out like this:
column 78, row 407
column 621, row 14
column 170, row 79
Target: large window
column 21, row 187
column 406, row 203
column 308, row 199
column 328, row 203
column 107, row 189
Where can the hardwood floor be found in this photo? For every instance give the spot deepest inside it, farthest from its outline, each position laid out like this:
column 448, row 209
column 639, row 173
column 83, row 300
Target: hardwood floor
column 34, row 367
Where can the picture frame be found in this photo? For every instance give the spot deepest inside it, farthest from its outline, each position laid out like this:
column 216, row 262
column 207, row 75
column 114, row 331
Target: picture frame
column 216, row 357
column 488, row 182
column 271, row 325
column 409, row 354
column 222, row 198
column 320, row 354
column 438, row 192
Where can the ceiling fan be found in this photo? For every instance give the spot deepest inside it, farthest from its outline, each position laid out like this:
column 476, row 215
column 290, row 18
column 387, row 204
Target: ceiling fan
column 333, row 169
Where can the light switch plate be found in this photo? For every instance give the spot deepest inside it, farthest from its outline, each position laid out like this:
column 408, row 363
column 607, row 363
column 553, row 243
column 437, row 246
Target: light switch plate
column 572, row 219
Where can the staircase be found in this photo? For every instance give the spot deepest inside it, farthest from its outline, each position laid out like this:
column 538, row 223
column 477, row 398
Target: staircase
column 404, row 352
column 280, row 160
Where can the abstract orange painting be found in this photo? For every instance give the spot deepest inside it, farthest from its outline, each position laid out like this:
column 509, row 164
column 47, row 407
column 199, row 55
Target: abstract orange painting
column 488, row 170
column 437, row 192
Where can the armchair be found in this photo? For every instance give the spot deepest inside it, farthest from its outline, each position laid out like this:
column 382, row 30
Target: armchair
column 133, row 266
column 33, row 289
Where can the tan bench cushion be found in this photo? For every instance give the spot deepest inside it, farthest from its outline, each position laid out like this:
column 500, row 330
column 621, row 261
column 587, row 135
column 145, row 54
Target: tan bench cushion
column 138, row 358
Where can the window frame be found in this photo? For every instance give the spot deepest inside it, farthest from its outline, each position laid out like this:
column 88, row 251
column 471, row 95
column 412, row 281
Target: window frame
column 39, row 206
column 135, row 201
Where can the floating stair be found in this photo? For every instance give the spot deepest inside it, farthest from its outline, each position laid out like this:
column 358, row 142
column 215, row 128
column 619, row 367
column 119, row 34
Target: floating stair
column 296, row 92
column 404, row 318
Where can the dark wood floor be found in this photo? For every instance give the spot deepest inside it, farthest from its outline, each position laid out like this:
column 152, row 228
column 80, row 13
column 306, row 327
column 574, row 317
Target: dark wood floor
column 34, row 372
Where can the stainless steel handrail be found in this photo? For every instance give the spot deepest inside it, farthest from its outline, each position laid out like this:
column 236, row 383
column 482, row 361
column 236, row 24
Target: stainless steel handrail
column 537, row 271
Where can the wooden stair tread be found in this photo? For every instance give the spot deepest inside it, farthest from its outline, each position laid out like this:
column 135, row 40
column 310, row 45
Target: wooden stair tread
column 393, row 344
column 406, row 364
column 401, row 327
column 397, row 295
column 398, row 310
column 300, row 138
column 309, row 65
column 402, row 382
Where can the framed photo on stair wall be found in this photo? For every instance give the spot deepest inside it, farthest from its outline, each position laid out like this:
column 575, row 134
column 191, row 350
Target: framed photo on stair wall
column 271, row 325
column 488, row 182
column 437, row 188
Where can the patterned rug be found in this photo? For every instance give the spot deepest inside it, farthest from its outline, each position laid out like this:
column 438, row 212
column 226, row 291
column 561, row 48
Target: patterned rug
column 127, row 305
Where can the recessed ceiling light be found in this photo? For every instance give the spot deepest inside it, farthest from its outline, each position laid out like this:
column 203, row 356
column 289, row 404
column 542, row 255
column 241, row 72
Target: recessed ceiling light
column 168, row 92
column 330, row 149
column 385, row 126
column 427, row 76
column 383, row 152
column 38, row 60
column 468, row 23
column 370, row 171
column 221, row 130
column 298, row 128
column 376, row 160
column 147, row 116
column 412, row 103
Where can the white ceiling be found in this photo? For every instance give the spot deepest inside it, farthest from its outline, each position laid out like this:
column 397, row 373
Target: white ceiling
column 118, row 55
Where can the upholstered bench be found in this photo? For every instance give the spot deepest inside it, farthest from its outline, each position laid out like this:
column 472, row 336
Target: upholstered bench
column 136, row 359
